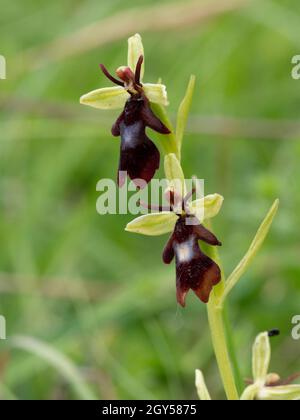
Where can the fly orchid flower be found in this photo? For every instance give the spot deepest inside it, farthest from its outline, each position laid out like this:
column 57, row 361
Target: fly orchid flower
column 268, row 386
column 139, row 157
column 194, row 270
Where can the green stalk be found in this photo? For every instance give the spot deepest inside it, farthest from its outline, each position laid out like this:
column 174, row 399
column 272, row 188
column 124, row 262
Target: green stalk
column 218, row 332
column 214, row 307
column 232, row 352
column 218, row 335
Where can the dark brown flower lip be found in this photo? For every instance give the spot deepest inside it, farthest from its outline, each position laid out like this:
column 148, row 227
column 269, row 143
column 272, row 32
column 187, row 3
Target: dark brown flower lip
column 194, row 270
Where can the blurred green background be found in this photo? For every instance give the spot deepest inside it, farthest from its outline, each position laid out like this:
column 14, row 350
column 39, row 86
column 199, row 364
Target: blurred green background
column 76, row 280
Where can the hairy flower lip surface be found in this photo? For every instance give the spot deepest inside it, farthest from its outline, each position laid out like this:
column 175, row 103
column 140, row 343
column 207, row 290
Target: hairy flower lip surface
column 194, row 269
column 139, row 157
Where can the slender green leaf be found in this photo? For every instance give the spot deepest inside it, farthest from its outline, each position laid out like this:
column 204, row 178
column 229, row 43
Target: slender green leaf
column 183, row 113
column 253, row 250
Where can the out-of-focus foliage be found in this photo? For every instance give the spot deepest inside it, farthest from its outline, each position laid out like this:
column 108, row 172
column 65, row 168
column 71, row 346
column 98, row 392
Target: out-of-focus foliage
column 78, row 281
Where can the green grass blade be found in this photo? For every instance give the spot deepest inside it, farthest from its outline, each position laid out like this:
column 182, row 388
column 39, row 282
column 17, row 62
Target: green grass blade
column 58, row 361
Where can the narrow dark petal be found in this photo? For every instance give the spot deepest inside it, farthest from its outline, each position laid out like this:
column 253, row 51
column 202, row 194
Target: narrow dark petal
column 175, row 200
column 288, row 380
column 188, row 197
column 206, row 236
column 110, row 77
column 168, row 253
column 152, row 121
column 137, row 76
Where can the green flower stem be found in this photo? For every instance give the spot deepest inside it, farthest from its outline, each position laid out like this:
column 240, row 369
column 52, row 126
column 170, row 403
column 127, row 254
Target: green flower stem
column 217, row 320
column 217, row 323
column 232, row 352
